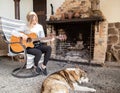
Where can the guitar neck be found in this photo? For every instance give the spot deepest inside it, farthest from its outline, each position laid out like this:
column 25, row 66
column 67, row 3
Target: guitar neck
column 45, row 39
column 50, row 38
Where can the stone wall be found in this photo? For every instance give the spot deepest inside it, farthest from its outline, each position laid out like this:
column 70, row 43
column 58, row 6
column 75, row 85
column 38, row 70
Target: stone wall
column 113, row 50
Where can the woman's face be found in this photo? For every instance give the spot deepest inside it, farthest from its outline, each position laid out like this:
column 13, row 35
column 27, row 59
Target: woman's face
column 34, row 21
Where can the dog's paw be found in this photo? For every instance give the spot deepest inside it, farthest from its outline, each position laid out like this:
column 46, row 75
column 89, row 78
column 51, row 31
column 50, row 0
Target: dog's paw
column 92, row 90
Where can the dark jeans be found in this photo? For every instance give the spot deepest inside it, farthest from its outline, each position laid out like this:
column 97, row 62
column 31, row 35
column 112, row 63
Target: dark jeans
column 37, row 52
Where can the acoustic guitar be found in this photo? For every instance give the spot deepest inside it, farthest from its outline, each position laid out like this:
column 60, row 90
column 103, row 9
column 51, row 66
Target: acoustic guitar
column 32, row 37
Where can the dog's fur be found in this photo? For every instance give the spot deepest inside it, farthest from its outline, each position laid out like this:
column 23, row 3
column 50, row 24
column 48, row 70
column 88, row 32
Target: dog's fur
column 65, row 80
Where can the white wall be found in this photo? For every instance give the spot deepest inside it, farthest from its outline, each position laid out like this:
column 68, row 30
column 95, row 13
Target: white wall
column 25, row 7
column 55, row 3
column 110, row 8
column 7, row 8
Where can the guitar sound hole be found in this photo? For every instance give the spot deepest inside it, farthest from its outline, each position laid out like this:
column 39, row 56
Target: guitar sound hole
column 29, row 39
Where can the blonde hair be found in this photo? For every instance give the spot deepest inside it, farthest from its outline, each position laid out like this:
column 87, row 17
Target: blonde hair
column 30, row 16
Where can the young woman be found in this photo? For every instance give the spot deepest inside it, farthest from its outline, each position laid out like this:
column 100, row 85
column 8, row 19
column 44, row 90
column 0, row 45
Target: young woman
column 33, row 26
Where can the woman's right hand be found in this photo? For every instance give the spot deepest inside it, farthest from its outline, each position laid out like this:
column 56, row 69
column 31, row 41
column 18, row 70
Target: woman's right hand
column 24, row 37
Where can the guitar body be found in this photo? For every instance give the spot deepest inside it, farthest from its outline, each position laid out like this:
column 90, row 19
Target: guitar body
column 18, row 47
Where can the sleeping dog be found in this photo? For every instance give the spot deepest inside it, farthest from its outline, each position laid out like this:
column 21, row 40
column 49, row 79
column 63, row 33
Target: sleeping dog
column 65, row 80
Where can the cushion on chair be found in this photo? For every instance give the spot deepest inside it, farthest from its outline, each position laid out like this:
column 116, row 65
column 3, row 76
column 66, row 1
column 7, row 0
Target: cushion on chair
column 30, row 61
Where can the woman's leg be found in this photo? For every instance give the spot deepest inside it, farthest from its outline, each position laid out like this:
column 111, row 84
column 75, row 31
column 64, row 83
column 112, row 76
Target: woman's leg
column 47, row 53
column 37, row 53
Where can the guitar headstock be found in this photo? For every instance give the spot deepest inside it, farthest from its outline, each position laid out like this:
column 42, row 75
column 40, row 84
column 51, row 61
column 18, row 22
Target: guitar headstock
column 62, row 37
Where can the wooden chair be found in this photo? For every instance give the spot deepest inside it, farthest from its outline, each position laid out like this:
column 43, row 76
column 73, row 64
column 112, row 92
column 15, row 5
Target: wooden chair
column 6, row 28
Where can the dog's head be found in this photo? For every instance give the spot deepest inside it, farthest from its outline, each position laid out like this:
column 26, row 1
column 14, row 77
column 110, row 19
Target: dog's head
column 77, row 75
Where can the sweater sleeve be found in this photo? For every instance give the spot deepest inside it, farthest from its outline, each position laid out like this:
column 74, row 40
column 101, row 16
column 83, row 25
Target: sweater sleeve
column 41, row 33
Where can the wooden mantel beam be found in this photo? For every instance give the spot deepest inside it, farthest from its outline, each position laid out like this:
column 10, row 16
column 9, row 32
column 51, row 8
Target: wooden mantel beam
column 17, row 9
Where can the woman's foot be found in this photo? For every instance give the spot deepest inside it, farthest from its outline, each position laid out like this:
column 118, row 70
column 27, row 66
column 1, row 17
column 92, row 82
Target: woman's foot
column 37, row 70
column 43, row 69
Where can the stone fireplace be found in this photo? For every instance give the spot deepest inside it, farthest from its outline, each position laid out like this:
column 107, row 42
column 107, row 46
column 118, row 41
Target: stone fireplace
column 86, row 30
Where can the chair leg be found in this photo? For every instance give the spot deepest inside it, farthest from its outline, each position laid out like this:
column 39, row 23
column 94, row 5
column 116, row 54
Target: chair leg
column 12, row 58
column 23, row 72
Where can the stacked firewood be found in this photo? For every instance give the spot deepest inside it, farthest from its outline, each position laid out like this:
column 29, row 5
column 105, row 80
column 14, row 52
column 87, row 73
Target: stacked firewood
column 75, row 9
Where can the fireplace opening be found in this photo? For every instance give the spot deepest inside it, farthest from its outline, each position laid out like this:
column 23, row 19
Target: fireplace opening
column 79, row 45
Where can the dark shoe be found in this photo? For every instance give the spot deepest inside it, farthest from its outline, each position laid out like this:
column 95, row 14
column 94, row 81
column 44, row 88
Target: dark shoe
column 44, row 71
column 38, row 70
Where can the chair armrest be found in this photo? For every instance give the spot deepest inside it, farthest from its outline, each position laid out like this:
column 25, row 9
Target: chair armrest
column 4, row 38
column 24, row 51
column 8, row 42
